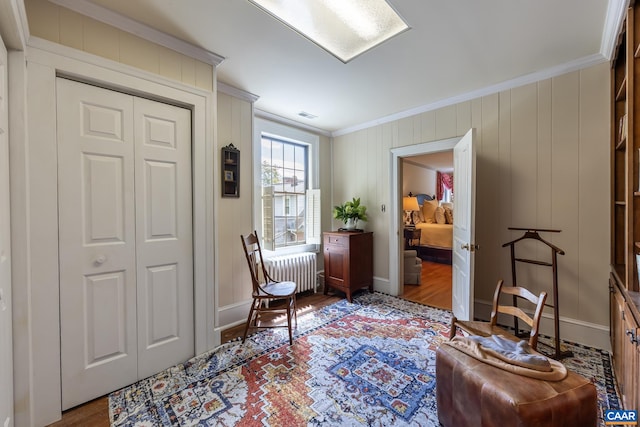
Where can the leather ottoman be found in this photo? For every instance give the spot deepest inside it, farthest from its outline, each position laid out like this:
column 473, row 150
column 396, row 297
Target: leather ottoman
column 475, row 394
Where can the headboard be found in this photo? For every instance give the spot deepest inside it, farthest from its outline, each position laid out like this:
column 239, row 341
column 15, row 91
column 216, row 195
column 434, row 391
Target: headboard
column 422, row 197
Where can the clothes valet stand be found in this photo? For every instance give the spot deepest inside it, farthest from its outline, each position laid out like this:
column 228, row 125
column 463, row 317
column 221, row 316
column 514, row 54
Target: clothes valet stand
column 532, row 233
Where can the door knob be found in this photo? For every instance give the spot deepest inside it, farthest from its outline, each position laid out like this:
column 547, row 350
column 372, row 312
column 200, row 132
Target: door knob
column 100, row 260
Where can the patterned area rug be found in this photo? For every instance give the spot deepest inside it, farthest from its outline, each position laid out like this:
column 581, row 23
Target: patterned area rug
column 362, row 364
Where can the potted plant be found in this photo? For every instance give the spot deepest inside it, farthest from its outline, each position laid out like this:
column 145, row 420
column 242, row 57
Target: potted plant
column 350, row 213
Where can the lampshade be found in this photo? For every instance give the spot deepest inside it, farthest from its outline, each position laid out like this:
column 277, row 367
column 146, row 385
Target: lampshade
column 410, row 204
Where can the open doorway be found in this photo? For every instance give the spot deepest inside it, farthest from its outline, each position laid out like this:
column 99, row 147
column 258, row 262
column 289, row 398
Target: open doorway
column 396, row 231
column 427, row 194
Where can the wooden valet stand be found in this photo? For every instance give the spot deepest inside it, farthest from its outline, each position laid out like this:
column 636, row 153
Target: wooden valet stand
column 532, row 233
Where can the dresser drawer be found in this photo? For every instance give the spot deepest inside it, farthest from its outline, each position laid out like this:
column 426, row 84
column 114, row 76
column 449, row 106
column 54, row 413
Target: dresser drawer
column 336, row 240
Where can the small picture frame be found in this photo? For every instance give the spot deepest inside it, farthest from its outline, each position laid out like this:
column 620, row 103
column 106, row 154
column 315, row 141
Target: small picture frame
column 228, row 175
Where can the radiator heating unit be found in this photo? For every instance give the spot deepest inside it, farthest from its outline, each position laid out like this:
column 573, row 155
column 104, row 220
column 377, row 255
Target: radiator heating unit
column 299, row 268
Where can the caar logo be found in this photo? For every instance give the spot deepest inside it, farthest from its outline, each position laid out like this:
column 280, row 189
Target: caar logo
column 621, row 417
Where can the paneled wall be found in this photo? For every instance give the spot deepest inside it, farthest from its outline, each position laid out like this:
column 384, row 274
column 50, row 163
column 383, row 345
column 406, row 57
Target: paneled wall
column 542, row 161
column 234, row 215
column 235, row 118
column 68, row 28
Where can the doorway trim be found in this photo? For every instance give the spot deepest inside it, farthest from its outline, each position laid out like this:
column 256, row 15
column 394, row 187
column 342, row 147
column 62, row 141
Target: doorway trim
column 396, row 240
column 36, row 305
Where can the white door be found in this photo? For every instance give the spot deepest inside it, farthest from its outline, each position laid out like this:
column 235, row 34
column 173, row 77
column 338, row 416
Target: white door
column 464, row 245
column 119, row 302
column 164, row 237
column 6, row 344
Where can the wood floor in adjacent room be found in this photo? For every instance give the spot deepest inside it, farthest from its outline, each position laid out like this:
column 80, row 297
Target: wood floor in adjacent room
column 434, row 290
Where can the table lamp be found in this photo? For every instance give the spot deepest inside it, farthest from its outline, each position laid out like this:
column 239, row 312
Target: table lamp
column 410, row 204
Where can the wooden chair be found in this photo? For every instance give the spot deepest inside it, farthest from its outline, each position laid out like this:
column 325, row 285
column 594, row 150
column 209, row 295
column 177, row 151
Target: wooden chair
column 491, row 328
column 265, row 289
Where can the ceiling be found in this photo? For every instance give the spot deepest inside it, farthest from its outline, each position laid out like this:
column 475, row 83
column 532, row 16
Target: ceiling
column 455, row 50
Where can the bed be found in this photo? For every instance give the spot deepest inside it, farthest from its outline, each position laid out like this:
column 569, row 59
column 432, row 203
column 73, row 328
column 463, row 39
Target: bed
column 436, row 229
column 436, row 235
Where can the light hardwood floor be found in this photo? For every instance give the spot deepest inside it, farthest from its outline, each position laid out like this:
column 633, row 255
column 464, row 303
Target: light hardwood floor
column 434, row 290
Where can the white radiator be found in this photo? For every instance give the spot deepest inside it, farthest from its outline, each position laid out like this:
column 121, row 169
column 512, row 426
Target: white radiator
column 299, row 268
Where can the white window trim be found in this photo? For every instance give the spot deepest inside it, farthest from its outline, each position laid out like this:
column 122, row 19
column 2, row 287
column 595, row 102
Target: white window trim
column 287, row 133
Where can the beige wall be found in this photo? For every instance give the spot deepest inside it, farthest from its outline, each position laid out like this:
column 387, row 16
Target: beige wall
column 235, row 125
column 542, row 161
column 68, row 28
column 418, row 179
column 235, row 118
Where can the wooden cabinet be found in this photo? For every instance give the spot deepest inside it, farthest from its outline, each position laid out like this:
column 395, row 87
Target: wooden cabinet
column 230, row 171
column 630, row 382
column 624, row 343
column 625, row 210
column 348, row 261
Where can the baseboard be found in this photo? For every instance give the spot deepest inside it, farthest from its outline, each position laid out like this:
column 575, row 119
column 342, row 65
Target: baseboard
column 233, row 315
column 573, row 330
column 382, row 285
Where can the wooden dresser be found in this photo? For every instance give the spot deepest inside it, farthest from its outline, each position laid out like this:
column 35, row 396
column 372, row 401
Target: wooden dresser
column 348, row 261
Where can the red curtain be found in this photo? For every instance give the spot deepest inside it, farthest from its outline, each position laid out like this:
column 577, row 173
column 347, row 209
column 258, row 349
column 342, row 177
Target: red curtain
column 444, row 180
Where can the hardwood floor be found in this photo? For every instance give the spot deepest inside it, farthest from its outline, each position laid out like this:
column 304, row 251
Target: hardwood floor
column 434, row 290
column 435, row 287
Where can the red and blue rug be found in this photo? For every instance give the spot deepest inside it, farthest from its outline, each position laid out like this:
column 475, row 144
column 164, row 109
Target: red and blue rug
column 370, row 363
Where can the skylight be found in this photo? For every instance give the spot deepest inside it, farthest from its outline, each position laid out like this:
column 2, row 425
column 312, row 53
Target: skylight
column 344, row 28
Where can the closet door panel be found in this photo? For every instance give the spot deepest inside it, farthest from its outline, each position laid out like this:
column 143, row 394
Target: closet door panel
column 105, row 308
column 164, row 235
column 103, row 199
column 97, row 241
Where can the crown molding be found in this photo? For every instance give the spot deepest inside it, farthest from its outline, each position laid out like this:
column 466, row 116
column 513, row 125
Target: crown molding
column 419, row 165
column 284, row 121
column 236, row 93
column 616, row 11
column 129, row 25
column 14, row 28
column 558, row 70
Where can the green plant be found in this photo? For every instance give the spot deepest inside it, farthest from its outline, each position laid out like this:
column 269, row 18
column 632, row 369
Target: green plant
column 351, row 209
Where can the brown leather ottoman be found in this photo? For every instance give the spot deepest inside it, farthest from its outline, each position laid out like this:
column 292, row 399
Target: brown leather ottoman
column 475, row 394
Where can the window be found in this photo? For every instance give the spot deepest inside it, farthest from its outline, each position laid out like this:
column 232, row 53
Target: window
column 287, row 209
column 284, row 181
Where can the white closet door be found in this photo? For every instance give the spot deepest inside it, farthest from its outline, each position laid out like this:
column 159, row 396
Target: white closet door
column 164, row 235
column 6, row 347
column 97, row 241
column 126, row 257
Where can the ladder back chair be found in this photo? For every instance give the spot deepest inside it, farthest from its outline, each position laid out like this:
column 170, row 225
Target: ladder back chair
column 491, row 327
column 265, row 290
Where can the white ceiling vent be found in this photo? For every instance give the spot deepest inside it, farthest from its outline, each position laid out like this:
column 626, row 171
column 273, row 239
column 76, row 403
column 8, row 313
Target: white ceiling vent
column 307, row 115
